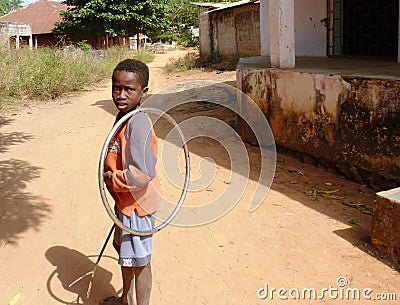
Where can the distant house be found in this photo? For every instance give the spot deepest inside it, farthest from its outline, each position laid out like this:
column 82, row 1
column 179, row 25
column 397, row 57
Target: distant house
column 141, row 38
column 11, row 33
column 42, row 15
column 229, row 29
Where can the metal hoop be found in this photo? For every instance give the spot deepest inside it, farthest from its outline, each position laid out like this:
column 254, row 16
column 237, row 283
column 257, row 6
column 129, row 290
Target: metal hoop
column 101, row 171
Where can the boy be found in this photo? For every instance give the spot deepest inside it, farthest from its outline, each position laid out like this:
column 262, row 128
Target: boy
column 131, row 179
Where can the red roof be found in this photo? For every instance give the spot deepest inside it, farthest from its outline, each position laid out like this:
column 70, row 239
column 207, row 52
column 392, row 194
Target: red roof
column 42, row 15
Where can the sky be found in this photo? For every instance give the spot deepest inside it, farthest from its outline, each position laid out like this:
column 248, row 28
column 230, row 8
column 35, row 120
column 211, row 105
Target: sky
column 26, row 2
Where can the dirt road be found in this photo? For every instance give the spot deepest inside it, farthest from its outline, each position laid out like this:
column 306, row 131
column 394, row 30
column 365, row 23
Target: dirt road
column 52, row 223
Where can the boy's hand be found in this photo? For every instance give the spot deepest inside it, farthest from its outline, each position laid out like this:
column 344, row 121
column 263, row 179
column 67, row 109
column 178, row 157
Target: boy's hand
column 107, row 178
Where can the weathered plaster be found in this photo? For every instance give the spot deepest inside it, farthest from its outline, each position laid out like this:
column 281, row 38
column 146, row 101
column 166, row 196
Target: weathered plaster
column 230, row 33
column 349, row 124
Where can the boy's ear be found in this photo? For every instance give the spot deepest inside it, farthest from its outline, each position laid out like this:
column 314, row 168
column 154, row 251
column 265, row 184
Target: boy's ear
column 145, row 90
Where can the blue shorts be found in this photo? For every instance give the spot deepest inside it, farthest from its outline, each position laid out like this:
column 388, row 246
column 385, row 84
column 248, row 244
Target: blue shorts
column 134, row 251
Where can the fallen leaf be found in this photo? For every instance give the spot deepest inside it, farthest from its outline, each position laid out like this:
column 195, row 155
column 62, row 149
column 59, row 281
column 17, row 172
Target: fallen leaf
column 15, row 299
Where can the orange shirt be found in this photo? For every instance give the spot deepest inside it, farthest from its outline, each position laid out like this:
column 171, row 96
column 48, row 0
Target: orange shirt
column 132, row 159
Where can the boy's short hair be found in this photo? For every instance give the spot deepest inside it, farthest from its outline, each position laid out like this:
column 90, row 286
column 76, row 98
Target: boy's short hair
column 135, row 66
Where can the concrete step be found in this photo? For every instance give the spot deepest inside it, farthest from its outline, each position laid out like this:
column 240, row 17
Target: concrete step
column 385, row 234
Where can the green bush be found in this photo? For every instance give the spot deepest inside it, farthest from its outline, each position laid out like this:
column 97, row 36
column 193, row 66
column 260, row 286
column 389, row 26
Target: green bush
column 185, row 63
column 84, row 45
column 45, row 73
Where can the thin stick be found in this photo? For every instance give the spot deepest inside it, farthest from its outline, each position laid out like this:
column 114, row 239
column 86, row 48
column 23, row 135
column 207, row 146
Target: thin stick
column 98, row 260
column 93, row 271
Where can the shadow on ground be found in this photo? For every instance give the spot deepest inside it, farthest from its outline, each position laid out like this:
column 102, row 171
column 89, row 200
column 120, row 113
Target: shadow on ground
column 12, row 138
column 70, row 265
column 20, row 210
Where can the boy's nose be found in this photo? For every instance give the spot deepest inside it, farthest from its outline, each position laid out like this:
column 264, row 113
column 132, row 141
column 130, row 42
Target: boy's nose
column 121, row 94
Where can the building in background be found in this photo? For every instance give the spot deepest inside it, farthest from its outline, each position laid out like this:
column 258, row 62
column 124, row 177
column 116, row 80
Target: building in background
column 229, row 30
column 141, row 40
column 42, row 15
column 12, row 33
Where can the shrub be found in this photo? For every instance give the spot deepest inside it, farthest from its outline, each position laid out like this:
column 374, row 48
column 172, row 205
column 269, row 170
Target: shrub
column 46, row 73
column 185, row 63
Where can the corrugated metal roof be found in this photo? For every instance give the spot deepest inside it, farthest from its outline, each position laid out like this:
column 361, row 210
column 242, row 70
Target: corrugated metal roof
column 213, row 4
column 42, row 15
column 231, row 5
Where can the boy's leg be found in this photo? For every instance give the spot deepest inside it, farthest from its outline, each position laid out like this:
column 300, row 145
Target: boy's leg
column 128, row 274
column 143, row 284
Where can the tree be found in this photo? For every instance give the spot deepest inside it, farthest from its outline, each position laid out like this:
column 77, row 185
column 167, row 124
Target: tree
column 182, row 18
column 113, row 17
column 7, row 6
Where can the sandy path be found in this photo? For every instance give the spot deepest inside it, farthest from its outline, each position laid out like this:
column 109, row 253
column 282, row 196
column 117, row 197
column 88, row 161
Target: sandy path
column 52, row 224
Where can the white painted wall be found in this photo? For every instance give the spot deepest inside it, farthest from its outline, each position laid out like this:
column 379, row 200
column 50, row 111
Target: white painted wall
column 310, row 33
column 264, row 27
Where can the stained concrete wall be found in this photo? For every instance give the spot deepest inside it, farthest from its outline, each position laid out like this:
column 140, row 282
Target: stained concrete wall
column 351, row 125
column 232, row 32
column 223, row 33
column 247, row 24
column 204, row 32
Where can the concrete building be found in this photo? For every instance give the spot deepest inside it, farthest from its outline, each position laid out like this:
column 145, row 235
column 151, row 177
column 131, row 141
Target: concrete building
column 327, row 76
column 42, row 15
column 328, row 81
column 229, row 30
column 332, row 28
column 11, row 33
column 286, row 29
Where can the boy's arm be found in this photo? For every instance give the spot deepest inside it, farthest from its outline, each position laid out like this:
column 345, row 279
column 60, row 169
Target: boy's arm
column 140, row 158
column 141, row 155
column 116, row 181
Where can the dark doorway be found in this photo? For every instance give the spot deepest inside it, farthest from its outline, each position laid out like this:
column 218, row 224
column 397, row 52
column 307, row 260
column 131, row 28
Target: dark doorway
column 363, row 28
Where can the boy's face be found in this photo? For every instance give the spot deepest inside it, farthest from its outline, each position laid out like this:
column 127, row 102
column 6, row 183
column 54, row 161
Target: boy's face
column 127, row 91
